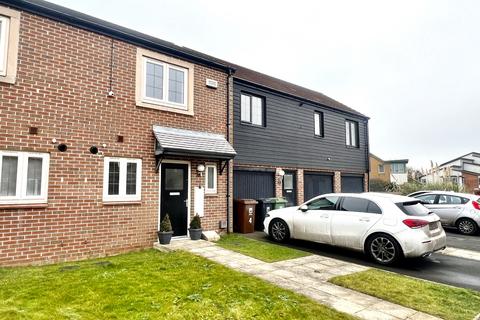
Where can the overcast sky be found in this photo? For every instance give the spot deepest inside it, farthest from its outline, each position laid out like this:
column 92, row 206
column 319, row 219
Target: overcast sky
column 412, row 66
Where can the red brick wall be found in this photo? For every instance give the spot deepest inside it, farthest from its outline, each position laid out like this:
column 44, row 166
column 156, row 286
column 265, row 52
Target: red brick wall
column 62, row 84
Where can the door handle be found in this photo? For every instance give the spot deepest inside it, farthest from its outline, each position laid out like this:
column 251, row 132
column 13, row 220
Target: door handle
column 364, row 219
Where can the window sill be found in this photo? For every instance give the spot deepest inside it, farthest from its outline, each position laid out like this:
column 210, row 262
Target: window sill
column 253, row 125
column 23, row 205
column 165, row 107
column 121, row 203
column 212, row 194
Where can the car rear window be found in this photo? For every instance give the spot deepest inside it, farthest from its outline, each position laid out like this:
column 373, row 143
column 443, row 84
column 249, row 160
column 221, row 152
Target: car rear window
column 413, row 208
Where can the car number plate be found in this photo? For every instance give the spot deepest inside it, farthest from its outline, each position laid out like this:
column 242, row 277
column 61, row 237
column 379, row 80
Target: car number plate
column 433, row 225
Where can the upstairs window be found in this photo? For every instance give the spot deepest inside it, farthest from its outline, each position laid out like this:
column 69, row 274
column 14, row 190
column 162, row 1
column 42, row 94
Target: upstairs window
column 381, row 168
column 351, row 133
column 23, row 177
column 4, row 26
column 9, row 42
column 122, row 179
column 399, row 168
column 165, row 83
column 318, row 123
column 252, row 110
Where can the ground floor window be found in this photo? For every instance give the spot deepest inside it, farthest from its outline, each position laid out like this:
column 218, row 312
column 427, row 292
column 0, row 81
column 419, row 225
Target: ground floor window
column 23, row 177
column 122, row 179
column 211, row 178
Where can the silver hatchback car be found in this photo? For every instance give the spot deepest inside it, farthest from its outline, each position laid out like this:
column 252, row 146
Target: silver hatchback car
column 458, row 210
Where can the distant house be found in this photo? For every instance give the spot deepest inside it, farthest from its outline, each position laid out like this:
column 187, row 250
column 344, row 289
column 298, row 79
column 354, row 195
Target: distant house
column 464, row 171
column 388, row 170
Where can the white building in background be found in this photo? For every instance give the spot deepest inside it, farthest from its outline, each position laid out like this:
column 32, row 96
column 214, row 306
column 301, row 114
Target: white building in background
column 463, row 171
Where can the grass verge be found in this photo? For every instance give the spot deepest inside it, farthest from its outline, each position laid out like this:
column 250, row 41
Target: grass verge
column 440, row 300
column 261, row 250
column 148, row 285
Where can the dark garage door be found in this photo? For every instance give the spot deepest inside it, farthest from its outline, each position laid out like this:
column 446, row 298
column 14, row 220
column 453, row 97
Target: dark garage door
column 253, row 184
column 352, row 184
column 316, row 184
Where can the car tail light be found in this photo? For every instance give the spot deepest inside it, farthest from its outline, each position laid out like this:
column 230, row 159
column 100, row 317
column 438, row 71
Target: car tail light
column 476, row 205
column 415, row 223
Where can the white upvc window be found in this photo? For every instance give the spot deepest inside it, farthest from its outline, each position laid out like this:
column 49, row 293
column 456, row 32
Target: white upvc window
column 251, row 110
column 122, row 179
column 165, row 84
column 23, row 177
column 381, row 168
column 211, row 178
column 318, row 123
column 4, row 32
column 351, row 133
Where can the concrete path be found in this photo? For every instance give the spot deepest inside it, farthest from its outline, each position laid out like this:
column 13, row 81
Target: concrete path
column 308, row 276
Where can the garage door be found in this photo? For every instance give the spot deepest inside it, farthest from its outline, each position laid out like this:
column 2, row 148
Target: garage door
column 253, row 184
column 316, row 184
column 352, row 184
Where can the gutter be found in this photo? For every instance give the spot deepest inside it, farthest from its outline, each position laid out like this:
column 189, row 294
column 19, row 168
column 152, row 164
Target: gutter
column 229, row 80
column 111, row 30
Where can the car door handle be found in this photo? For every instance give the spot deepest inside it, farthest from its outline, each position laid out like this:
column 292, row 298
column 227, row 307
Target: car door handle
column 364, row 219
column 325, row 216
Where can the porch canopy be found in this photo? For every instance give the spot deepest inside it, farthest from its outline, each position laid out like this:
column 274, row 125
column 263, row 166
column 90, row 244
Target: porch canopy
column 188, row 143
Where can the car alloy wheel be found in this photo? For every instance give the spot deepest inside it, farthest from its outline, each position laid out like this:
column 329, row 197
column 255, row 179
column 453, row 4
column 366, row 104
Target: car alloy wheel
column 467, row 226
column 383, row 250
column 279, row 230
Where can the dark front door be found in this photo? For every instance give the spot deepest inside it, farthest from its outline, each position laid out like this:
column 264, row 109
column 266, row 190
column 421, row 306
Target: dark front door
column 289, row 190
column 174, row 196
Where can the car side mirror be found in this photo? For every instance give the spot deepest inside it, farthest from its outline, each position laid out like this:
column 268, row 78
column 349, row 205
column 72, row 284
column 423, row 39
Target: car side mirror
column 304, row 208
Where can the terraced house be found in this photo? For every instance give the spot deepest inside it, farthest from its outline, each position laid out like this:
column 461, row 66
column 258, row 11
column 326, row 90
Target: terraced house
column 105, row 130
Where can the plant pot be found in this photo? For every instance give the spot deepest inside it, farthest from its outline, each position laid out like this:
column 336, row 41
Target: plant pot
column 195, row 234
column 164, row 237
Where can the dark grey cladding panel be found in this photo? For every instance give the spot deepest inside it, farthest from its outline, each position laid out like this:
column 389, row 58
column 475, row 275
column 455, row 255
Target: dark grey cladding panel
column 288, row 138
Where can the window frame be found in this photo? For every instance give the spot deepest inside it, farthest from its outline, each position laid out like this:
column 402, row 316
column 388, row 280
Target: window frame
column 383, row 168
column 10, row 44
column 263, row 109
column 321, row 126
column 4, row 36
column 215, row 177
column 349, row 136
column 21, row 196
column 122, row 194
column 396, row 164
column 187, row 108
column 166, row 83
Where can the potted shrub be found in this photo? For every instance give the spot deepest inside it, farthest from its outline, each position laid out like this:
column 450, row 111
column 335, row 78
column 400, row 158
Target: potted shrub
column 195, row 228
column 165, row 233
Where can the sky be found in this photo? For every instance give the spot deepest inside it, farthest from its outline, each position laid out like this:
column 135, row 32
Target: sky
column 412, row 66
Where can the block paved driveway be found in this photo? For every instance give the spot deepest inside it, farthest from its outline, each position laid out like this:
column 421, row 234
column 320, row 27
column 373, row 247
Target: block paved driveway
column 307, row 276
column 457, row 268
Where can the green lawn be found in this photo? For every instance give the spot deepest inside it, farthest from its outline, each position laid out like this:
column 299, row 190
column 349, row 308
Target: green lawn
column 261, row 250
column 436, row 299
column 148, row 285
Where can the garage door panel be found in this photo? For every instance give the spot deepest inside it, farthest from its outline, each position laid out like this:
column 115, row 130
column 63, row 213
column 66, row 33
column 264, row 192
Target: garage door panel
column 253, row 184
column 316, row 184
column 352, row 184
